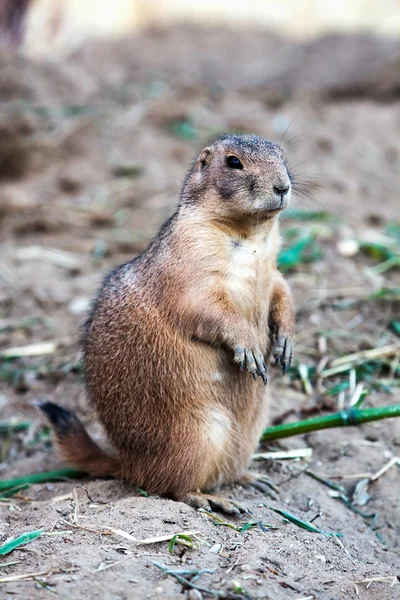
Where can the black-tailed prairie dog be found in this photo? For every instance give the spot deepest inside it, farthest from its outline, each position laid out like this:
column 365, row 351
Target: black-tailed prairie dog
column 178, row 340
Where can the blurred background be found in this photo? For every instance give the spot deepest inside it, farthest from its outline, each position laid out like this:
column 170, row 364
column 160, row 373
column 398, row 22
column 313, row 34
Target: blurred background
column 59, row 25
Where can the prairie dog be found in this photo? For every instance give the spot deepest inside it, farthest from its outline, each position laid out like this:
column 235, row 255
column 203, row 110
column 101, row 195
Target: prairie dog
column 178, row 339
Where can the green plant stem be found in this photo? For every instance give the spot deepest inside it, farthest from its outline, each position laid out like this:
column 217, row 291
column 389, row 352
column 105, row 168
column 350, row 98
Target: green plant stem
column 46, row 477
column 350, row 417
column 13, row 426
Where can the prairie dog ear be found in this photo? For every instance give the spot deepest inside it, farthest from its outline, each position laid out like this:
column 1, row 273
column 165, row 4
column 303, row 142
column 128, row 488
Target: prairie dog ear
column 204, row 157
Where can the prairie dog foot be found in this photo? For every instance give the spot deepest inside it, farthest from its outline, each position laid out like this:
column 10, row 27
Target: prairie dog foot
column 260, row 483
column 210, row 502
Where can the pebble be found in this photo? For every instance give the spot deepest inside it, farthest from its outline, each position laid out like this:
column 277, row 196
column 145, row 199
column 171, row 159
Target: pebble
column 79, row 305
column 236, row 586
column 195, row 595
column 348, row 247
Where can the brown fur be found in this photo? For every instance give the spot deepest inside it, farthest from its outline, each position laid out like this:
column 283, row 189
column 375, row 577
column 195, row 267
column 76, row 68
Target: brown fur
column 167, row 328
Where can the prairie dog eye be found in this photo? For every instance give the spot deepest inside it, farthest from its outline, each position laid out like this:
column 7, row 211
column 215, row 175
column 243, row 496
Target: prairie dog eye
column 233, row 162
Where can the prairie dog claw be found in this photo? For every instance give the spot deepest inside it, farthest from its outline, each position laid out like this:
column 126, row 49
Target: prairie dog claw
column 211, row 502
column 283, row 352
column 252, row 360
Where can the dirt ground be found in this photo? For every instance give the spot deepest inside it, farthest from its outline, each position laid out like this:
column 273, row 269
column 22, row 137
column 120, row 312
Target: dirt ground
column 92, row 154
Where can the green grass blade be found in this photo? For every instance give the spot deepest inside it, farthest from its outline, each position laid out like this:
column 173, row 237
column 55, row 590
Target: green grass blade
column 46, row 477
column 295, row 214
column 297, row 521
column 25, row 538
column 294, row 255
column 13, row 426
column 219, row 520
column 386, row 294
column 395, row 326
column 179, row 536
column 12, row 491
column 327, row 482
column 376, row 250
column 303, row 524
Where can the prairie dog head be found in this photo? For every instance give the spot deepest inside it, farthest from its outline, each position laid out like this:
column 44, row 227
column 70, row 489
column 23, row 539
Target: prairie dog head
column 240, row 177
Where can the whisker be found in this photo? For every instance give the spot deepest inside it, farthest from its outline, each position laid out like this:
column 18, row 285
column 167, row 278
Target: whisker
column 292, row 142
column 305, row 185
column 307, row 195
column 304, row 176
column 287, row 128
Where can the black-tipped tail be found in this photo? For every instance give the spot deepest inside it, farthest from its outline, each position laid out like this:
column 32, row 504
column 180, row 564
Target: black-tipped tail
column 75, row 445
column 60, row 418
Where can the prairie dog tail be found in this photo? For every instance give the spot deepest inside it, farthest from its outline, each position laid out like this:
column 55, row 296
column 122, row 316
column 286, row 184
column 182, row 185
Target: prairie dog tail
column 74, row 444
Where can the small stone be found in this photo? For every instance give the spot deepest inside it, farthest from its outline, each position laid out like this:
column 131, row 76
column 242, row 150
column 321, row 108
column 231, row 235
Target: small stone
column 216, row 548
column 79, row 305
column 236, row 586
column 348, row 247
column 195, row 595
column 314, row 319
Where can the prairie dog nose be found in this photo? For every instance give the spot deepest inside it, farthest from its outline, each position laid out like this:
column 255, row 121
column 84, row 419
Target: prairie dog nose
column 281, row 190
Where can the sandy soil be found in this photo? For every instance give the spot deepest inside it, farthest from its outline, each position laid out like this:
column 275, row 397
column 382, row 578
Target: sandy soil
column 92, row 154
